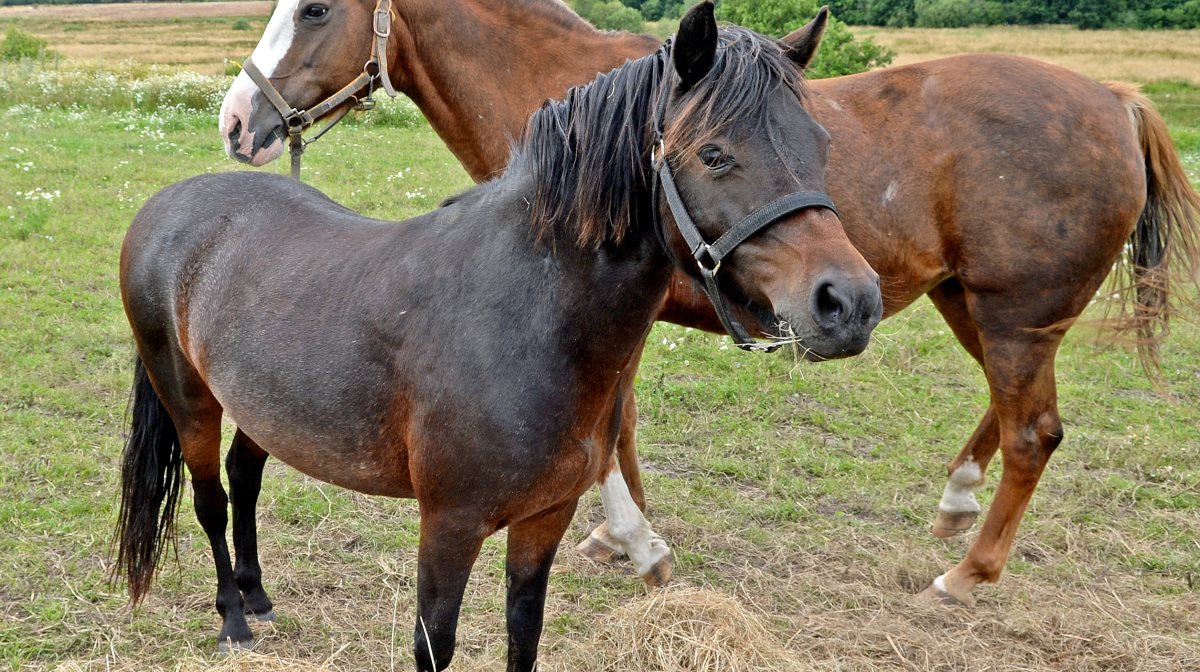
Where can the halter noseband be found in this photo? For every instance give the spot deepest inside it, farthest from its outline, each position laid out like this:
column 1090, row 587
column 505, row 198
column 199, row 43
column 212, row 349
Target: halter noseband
column 708, row 256
column 376, row 69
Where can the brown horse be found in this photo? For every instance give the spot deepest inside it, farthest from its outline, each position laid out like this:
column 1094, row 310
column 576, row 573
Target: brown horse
column 475, row 358
column 1003, row 188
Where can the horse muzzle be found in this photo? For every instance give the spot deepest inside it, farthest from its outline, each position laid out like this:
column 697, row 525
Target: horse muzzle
column 836, row 319
column 252, row 131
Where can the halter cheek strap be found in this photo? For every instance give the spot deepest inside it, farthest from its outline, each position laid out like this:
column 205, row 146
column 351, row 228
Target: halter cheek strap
column 375, row 70
column 709, row 256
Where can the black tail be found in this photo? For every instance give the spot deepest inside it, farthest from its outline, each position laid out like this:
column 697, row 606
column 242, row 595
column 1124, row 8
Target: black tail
column 151, row 476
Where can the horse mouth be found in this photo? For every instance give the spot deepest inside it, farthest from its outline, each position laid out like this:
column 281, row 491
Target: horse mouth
column 764, row 321
column 791, row 333
column 264, row 147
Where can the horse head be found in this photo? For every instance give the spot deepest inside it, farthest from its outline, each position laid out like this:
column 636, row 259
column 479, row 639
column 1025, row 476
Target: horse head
column 786, row 269
column 309, row 50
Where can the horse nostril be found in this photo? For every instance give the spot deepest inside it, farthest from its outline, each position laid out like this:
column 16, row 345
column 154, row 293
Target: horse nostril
column 830, row 307
column 235, row 131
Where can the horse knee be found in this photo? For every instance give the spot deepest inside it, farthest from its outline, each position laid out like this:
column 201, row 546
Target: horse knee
column 1033, row 445
column 1050, row 431
column 986, row 569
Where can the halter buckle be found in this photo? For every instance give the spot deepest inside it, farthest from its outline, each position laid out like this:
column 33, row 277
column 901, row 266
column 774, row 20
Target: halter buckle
column 364, row 104
column 657, row 153
column 383, row 23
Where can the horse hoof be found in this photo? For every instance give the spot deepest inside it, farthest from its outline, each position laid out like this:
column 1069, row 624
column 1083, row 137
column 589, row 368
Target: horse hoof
column 935, row 596
column 265, row 617
column 660, row 574
column 229, row 646
column 598, row 548
column 949, row 523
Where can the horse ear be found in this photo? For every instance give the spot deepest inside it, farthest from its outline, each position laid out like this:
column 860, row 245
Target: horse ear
column 802, row 43
column 695, row 44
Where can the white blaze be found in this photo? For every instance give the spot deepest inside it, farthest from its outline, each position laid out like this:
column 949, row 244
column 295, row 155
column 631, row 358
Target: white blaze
column 274, row 44
column 959, row 494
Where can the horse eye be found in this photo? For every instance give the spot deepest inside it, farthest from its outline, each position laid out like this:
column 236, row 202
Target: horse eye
column 314, row 12
column 713, row 158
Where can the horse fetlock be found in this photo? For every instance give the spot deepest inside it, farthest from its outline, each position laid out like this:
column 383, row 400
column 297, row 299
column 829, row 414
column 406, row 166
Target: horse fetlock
column 645, row 548
column 948, row 591
column 423, row 652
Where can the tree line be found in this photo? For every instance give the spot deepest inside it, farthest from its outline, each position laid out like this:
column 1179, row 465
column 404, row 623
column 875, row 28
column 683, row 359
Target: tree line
column 1088, row 14
column 1143, row 14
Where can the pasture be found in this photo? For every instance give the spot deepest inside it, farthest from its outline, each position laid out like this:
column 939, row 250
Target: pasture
column 797, row 497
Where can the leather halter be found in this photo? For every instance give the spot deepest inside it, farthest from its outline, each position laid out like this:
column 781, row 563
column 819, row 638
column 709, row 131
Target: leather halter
column 708, row 256
column 375, row 70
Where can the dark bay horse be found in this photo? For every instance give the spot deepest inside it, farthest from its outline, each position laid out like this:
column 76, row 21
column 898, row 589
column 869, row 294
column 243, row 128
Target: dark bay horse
column 1003, row 188
column 475, row 358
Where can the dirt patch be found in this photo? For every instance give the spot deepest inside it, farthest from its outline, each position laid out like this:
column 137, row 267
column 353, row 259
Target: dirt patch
column 140, row 11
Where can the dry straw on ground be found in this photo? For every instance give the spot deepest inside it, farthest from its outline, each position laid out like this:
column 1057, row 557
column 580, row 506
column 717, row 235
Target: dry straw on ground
column 826, row 609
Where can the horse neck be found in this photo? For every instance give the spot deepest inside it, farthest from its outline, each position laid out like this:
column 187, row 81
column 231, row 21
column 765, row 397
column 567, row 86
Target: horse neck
column 598, row 303
column 477, row 69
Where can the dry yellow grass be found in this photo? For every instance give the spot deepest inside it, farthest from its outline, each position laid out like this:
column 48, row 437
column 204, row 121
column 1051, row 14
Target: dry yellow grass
column 1129, row 55
column 805, row 610
column 196, row 36
column 139, row 11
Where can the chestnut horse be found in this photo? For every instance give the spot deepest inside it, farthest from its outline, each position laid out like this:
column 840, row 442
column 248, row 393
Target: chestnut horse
column 370, row 354
column 1003, row 188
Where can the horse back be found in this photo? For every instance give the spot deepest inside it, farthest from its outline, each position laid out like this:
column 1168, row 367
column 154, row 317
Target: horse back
column 989, row 168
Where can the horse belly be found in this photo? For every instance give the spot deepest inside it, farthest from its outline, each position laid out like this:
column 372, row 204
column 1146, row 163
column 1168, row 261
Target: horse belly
column 352, row 451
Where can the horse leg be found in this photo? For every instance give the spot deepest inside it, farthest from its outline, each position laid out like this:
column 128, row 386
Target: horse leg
column 446, row 553
column 958, row 508
column 199, row 430
column 196, row 414
column 1020, row 370
column 244, row 467
column 532, row 544
column 626, row 530
column 601, row 545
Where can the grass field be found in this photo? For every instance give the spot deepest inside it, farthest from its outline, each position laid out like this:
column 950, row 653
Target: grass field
column 797, row 497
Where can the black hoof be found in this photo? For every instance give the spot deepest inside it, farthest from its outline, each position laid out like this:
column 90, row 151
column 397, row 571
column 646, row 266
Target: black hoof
column 265, row 617
column 235, row 635
column 228, row 646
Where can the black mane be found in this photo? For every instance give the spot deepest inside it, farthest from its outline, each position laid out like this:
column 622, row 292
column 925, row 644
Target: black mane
column 589, row 155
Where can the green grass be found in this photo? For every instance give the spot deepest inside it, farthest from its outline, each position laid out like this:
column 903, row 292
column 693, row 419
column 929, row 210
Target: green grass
column 805, row 490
